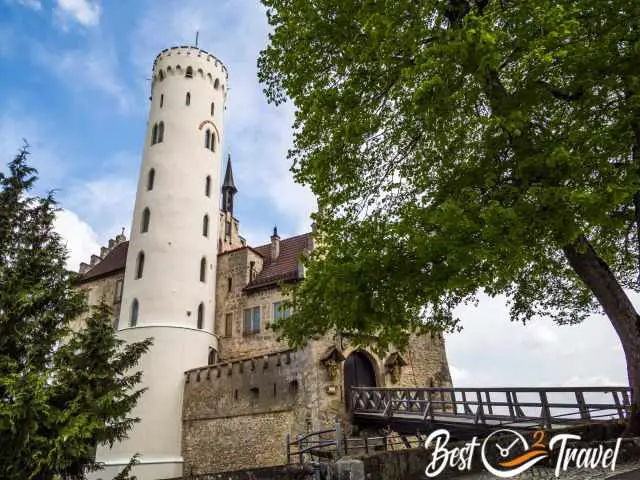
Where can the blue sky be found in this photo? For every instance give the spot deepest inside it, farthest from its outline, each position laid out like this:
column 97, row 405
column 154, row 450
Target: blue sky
column 74, row 77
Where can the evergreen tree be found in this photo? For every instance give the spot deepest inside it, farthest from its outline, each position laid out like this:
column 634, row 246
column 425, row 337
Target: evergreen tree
column 61, row 392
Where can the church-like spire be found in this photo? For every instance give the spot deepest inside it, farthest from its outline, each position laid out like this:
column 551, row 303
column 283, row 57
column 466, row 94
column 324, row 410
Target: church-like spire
column 228, row 188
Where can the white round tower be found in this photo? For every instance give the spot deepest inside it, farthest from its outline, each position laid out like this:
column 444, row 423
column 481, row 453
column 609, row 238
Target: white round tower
column 169, row 287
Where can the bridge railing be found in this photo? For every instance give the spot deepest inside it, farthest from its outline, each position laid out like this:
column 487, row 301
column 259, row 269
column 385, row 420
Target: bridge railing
column 544, row 406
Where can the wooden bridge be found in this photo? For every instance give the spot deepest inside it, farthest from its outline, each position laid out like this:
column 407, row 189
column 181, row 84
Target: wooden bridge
column 477, row 410
column 407, row 415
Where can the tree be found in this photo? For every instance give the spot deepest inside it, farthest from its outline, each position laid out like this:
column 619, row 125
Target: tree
column 62, row 392
column 461, row 146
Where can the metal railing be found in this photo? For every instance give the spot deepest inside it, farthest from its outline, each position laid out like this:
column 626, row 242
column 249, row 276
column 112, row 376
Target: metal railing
column 539, row 406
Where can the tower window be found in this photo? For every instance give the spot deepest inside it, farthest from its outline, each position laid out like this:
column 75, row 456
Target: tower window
column 188, row 99
column 189, row 73
column 146, row 218
column 229, row 284
column 160, row 132
column 205, row 226
column 228, row 325
column 212, row 356
column 200, row 315
column 213, row 108
column 133, row 319
column 203, row 269
column 207, row 186
column 213, row 142
column 227, row 230
column 161, row 75
column 207, row 139
column 161, row 100
column 151, row 177
column 154, row 134
column 118, row 293
column 140, row 265
column 216, row 84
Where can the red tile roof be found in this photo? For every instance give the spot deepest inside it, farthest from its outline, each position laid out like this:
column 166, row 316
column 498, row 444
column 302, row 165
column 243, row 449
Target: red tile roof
column 285, row 267
column 115, row 261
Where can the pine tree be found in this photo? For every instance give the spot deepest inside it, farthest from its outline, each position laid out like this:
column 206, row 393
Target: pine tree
column 61, row 392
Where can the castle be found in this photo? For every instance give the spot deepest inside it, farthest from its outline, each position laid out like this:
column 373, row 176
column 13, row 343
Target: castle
column 223, row 392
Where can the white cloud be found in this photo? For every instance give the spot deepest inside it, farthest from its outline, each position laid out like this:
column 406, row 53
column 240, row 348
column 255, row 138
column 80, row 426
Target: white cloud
column 93, row 68
column 34, row 4
column 80, row 238
column 85, row 12
column 492, row 351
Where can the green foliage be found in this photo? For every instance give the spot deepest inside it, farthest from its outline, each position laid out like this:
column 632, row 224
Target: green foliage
column 62, row 392
column 456, row 147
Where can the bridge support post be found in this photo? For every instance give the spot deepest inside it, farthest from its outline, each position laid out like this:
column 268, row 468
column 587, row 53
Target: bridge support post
column 339, row 445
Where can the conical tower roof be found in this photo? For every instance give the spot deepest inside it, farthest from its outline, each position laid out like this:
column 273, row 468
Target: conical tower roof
column 228, row 183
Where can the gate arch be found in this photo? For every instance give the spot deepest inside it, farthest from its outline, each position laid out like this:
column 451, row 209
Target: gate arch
column 359, row 371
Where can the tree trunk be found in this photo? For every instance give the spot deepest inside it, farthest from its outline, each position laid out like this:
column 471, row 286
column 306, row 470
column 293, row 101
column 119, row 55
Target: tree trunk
column 595, row 273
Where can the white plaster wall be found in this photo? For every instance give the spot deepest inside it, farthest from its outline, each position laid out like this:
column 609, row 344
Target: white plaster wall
column 170, row 289
column 158, row 436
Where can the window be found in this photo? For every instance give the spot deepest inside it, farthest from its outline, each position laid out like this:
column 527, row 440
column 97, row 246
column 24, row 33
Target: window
column 213, row 108
column 118, row 293
column 216, row 84
column 252, row 320
column 140, row 265
column 133, row 319
column 161, row 100
column 280, row 311
column 213, row 142
column 207, row 186
column 154, row 134
column 203, row 269
column 160, row 132
column 161, row 75
column 227, row 229
column 189, row 73
column 207, row 139
column 205, row 226
column 146, row 218
column 213, row 356
column 188, row 99
column 200, row 316
column 228, row 325
column 229, row 285
column 151, row 178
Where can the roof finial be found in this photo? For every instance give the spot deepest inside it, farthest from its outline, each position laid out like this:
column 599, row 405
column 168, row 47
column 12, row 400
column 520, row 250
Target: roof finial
column 275, row 231
column 197, row 34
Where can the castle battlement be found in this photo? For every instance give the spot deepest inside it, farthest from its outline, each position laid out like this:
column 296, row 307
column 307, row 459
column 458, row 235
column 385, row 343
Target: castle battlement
column 176, row 60
column 104, row 251
column 239, row 366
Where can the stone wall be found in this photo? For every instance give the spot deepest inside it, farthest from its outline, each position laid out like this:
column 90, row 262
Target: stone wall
column 102, row 288
column 238, row 414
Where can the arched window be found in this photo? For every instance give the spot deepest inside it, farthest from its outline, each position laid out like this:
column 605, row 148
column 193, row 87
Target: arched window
column 216, row 84
column 207, row 186
column 207, row 139
column 205, row 226
column 200, row 315
column 213, row 108
column 188, row 99
column 213, row 142
column 154, row 134
column 189, row 73
column 146, row 217
column 140, row 265
column 213, row 356
column 203, row 269
column 161, row 100
column 133, row 319
column 201, row 72
column 161, row 75
column 151, row 178
column 160, row 132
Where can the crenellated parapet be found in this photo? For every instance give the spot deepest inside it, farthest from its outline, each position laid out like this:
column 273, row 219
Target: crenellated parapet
column 104, row 251
column 191, row 62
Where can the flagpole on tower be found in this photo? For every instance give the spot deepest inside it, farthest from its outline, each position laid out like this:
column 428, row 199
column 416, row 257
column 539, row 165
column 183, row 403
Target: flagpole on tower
column 197, row 34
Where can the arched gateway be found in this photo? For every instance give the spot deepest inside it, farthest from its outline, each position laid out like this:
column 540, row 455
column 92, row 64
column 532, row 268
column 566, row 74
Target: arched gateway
column 358, row 372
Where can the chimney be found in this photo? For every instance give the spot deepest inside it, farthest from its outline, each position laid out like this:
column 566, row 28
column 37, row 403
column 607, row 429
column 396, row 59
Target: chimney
column 121, row 238
column 94, row 260
column 84, row 268
column 103, row 252
column 112, row 243
column 275, row 244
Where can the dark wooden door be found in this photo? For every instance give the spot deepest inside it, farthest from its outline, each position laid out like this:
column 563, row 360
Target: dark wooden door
column 358, row 372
